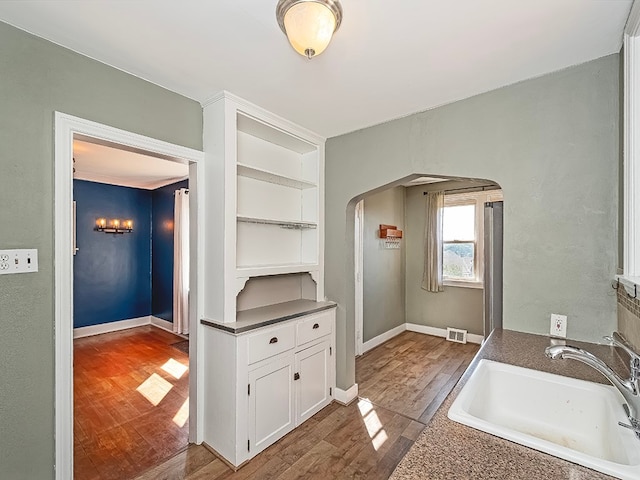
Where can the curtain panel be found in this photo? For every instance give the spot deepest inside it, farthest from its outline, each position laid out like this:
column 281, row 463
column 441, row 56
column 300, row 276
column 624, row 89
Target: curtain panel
column 432, row 273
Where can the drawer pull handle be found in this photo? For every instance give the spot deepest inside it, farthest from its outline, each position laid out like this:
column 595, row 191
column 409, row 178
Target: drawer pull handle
column 274, row 340
column 296, row 376
column 315, row 325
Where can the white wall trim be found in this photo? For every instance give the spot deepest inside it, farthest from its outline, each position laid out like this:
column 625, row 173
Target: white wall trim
column 163, row 324
column 65, row 127
column 631, row 149
column 358, row 276
column 380, row 339
column 345, row 397
column 441, row 332
column 91, row 330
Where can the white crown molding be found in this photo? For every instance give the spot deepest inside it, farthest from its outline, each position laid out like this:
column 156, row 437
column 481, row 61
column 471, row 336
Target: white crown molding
column 273, row 119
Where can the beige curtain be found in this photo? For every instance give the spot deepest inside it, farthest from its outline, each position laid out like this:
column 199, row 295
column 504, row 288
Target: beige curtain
column 181, row 262
column 432, row 276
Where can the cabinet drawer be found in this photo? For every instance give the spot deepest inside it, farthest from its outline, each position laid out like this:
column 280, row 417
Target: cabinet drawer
column 313, row 328
column 272, row 342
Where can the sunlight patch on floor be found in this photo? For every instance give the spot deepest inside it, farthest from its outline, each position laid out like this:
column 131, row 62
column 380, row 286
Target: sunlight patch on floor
column 154, row 388
column 183, row 414
column 174, row 368
column 372, row 423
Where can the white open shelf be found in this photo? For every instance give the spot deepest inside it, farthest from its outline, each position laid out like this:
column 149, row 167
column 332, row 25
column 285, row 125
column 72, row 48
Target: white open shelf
column 246, row 271
column 293, row 224
column 271, row 177
column 248, row 124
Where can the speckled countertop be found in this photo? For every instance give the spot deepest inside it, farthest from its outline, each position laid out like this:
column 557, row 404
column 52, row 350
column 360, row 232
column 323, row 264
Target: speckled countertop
column 447, row 450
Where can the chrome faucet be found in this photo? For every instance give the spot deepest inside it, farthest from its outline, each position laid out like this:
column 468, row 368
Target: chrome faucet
column 629, row 388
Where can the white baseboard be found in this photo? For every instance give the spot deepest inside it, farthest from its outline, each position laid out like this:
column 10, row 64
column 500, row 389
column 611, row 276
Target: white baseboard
column 110, row 327
column 123, row 325
column 345, row 397
column 164, row 325
column 160, row 323
column 375, row 341
column 441, row 332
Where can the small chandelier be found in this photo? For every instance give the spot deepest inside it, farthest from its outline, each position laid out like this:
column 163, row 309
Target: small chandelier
column 309, row 24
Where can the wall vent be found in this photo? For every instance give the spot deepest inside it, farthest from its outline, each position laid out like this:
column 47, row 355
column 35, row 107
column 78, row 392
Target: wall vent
column 456, row 335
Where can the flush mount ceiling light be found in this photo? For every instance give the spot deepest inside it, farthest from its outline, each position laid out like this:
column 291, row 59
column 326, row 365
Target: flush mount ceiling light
column 309, row 24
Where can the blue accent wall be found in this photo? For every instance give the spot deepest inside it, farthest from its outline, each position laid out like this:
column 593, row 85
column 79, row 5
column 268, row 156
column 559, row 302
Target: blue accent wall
column 162, row 250
column 112, row 272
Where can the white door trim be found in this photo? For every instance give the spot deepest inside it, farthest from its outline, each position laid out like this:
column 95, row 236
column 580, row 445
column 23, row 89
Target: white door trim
column 358, row 274
column 66, row 126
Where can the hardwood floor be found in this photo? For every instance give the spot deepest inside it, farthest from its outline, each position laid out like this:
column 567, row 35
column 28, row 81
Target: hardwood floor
column 412, row 373
column 402, row 383
column 131, row 393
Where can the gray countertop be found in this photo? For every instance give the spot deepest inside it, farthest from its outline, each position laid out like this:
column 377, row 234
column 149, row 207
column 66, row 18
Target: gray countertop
column 247, row 320
column 447, row 450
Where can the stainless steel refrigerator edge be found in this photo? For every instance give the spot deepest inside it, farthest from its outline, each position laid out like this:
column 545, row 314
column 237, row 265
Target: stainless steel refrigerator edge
column 492, row 266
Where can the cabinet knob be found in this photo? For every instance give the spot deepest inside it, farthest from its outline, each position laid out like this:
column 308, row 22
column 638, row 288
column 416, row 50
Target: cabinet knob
column 296, row 376
column 274, row 340
column 315, row 325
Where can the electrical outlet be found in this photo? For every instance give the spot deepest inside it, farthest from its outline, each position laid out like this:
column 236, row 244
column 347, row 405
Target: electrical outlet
column 558, row 325
column 18, row 261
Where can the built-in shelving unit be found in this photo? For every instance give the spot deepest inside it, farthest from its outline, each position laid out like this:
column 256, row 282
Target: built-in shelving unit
column 271, row 174
column 268, row 335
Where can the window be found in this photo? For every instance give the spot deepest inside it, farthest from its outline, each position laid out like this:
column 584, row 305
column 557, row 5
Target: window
column 462, row 237
column 459, row 242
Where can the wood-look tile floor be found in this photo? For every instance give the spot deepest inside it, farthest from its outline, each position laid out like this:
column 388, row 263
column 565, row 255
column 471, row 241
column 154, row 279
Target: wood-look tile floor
column 131, row 392
column 402, row 382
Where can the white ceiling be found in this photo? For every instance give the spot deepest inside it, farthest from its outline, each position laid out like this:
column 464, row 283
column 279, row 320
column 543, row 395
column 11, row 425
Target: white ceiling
column 115, row 166
column 389, row 58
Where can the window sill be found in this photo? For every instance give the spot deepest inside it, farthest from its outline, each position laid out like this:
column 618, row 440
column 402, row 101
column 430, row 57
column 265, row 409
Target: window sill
column 462, row 284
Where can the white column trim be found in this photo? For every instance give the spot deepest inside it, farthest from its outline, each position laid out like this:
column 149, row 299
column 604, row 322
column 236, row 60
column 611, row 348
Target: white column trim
column 65, row 127
column 631, row 157
column 631, row 147
column 345, row 397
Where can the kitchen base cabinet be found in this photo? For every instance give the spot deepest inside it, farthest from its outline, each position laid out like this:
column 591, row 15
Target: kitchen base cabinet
column 313, row 385
column 261, row 384
column 271, row 406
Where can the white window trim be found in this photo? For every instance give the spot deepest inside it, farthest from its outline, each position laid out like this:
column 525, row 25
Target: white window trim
column 631, row 221
column 478, row 199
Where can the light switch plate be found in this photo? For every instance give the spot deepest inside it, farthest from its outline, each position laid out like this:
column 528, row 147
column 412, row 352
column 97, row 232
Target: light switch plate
column 558, row 325
column 18, row 261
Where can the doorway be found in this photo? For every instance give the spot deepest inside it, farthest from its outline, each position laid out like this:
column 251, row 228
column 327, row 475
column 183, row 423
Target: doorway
column 389, row 296
column 67, row 128
column 130, row 368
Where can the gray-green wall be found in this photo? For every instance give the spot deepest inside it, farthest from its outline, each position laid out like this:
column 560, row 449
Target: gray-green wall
column 383, row 269
column 552, row 143
column 37, row 79
column 456, row 307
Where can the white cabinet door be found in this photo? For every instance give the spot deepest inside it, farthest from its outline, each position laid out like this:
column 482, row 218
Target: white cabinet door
column 313, row 380
column 271, row 413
